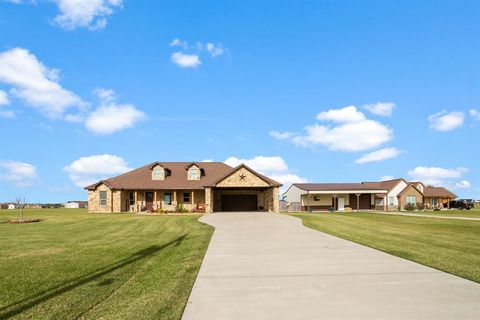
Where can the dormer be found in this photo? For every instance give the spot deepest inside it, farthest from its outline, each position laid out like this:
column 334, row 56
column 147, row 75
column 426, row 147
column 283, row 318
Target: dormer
column 159, row 172
column 194, row 172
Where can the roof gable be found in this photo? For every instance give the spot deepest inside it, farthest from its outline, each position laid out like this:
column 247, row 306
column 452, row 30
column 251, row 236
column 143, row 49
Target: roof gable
column 244, row 176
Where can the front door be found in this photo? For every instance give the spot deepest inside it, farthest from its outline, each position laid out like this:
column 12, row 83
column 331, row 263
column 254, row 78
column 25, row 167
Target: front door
column 149, row 200
column 341, row 204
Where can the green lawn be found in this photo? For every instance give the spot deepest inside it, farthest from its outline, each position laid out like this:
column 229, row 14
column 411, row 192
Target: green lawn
column 449, row 245
column 473, row 213
column 75, row 265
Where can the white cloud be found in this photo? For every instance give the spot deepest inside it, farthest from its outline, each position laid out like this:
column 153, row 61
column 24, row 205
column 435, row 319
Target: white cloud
column 179, row 43
column 20, row 174
column 446, row 121
column 214, row 50
column 343, row 115
column 379, row 155
column 90, row 14
column 35, row 84
column 111, row 117
column 437, row 176
column 9, row 114
column 88, row 170
column 352, row 132
column 74, row 118
column 4, row 98
column 464, row 184
column 383, row 109
column 282, row 135
column 386, row 178
column 185, row 60
column 21, row 1
column 273, row 167
column 475, row 114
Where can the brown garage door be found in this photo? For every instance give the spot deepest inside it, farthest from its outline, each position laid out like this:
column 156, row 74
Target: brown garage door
column 239, row 202
column 364, row 201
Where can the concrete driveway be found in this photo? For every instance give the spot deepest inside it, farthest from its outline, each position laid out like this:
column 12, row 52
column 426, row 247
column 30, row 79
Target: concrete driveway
column 269, row 266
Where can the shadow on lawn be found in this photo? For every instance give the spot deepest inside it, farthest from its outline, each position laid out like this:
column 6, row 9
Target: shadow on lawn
column 30, row 302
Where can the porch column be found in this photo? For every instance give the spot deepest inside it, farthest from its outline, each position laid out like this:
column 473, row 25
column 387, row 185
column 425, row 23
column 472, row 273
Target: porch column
column 175, row 196
column 385, row 207
column 136, row 201
column 308, row 201
column 334, row 202
column 358, row 201
column 193, row 197
column 155, row 199
column 208, row 200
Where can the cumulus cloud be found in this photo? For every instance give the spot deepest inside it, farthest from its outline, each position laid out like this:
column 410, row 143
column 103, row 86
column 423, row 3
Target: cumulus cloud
column 446, row 121
column 214, row 50
column 475, row 114
column 351, row 132
column 111, row 117
column 35, row 84
column 464, row 184
column 344, row 115
column 185, row 60
column 4, row 98
column 5, row 113
column 274, row 167
column 88, row 170
column 384, row 109
column 90, row 14
column 20, row 174
column 189, row 57
column 437, row 176
column 379, row 155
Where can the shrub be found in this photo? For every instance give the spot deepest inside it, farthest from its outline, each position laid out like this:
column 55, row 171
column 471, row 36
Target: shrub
column 409, row 206
column 420, row 206
column 181, row 209
column 160, row 210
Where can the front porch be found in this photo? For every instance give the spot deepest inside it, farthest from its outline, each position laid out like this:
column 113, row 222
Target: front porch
column 342, row 201
column 162, row 200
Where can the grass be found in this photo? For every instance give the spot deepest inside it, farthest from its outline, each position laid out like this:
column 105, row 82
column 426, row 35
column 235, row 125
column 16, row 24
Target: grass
column 75, row 265
column 472, row 213
column 448, row 245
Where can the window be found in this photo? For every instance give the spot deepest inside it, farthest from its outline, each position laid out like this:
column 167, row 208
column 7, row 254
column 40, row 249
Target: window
column 158, row 174
column 434, row 202
column 131, row 198
column 103, row 198
column 186, row 197
column 391, row 200
column 167, row 198
column 193, row 173
column 411, row 199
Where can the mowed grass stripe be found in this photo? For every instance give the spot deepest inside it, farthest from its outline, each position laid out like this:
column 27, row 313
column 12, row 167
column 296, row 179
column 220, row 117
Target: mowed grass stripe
column 79, row 265
column 449, row 245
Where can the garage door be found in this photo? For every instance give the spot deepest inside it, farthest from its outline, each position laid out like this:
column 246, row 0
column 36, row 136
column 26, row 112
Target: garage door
column 239, row 202
column 364, row 201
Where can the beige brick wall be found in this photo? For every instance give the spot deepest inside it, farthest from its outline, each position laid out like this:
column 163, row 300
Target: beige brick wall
column 250, row 180
column 94, row 200
column 410, row 191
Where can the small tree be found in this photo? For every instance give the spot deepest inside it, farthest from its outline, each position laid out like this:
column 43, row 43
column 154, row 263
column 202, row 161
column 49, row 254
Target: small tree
column 20, row 201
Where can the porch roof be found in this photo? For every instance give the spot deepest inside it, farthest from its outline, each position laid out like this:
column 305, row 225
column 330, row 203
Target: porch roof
column 341, row 188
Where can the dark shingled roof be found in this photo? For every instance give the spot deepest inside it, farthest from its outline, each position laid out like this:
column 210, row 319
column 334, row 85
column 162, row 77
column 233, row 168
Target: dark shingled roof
column 387, row 184
column 335, row 186
column 440, row 192
column 141, row 178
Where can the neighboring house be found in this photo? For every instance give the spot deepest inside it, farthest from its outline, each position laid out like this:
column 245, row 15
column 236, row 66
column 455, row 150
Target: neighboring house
column 383, row 195
column 437, row 197
column 194, row 186
column 76, row 204
column 3, row 206
column 11, row 206
column 394, row 187
column 33, row 206
column 336, row 196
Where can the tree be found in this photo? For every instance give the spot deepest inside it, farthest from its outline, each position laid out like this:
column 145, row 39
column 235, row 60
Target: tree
column 20, row 201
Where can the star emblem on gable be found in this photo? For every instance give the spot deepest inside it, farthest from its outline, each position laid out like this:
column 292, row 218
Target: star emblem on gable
column 242, row 177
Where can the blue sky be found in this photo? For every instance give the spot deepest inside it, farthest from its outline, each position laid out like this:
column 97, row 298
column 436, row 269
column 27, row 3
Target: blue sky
column 318, row 91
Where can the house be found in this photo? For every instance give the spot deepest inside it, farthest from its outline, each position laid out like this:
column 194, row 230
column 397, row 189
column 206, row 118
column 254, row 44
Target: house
column 386, row 195
column 336, row 196
column 11, row 206
column 76, row 204
column 192, row 186
column 437, row 197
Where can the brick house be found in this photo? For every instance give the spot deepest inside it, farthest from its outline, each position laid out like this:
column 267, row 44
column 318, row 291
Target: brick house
column 194, row 186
